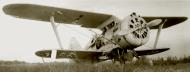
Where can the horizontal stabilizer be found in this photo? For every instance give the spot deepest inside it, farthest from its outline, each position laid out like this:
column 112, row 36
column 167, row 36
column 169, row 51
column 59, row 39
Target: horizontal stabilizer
column 150, row 51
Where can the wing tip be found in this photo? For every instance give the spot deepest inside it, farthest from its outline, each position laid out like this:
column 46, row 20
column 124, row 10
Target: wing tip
column 160, row 50
column 12, row 9
column 171, row 21
column 6, row 8
column 165, row 49
column 43, row 53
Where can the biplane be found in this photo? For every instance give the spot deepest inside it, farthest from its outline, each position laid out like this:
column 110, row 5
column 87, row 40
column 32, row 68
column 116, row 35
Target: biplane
column 117, row 42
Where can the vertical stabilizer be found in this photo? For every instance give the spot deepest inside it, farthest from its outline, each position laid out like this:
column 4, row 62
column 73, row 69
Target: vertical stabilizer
column 75, row 44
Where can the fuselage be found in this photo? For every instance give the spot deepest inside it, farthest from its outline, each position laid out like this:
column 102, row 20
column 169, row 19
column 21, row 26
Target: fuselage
column 129, row 33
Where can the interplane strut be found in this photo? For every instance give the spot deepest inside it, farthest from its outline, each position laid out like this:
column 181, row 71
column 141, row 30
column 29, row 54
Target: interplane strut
column 158, row 33
column 55, row 31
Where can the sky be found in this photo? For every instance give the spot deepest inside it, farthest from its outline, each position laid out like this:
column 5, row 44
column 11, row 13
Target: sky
column 21, row 38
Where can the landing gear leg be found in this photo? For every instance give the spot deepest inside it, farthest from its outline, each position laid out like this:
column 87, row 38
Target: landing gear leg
column 119, row 56
column 135, row 54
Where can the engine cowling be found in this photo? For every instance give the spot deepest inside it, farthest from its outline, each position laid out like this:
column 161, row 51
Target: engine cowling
column 141, row 32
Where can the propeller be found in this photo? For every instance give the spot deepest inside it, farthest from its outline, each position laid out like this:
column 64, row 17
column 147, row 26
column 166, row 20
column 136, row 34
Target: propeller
column 154, row 22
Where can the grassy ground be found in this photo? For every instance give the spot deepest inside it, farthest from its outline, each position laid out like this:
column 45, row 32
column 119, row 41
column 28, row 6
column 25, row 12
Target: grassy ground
column 61, row 67
column 160, row 65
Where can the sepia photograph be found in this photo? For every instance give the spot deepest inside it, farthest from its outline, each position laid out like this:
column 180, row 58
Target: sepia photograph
column 94, row 36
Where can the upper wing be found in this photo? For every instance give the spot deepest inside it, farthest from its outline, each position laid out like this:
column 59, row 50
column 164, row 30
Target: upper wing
column 150, row 52
column 61, row 15
column 70, row 54
column 170, row 21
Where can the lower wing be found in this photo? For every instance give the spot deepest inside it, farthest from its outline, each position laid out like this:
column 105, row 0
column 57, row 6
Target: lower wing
column 150, row 51
column 72, row 54
column 90, row 55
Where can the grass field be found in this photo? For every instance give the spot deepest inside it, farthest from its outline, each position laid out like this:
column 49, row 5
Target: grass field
column 160, row 65
column 61, row 67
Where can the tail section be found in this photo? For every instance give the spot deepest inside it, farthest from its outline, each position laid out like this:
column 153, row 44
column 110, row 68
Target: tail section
column 75, row 44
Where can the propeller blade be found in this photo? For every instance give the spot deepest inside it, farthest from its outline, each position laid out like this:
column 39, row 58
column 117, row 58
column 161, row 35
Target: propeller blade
column 154, row 22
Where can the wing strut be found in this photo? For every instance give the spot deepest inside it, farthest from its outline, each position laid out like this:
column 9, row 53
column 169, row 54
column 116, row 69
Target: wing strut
column 158, row 33
column 55, row 31
column 43, row 60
